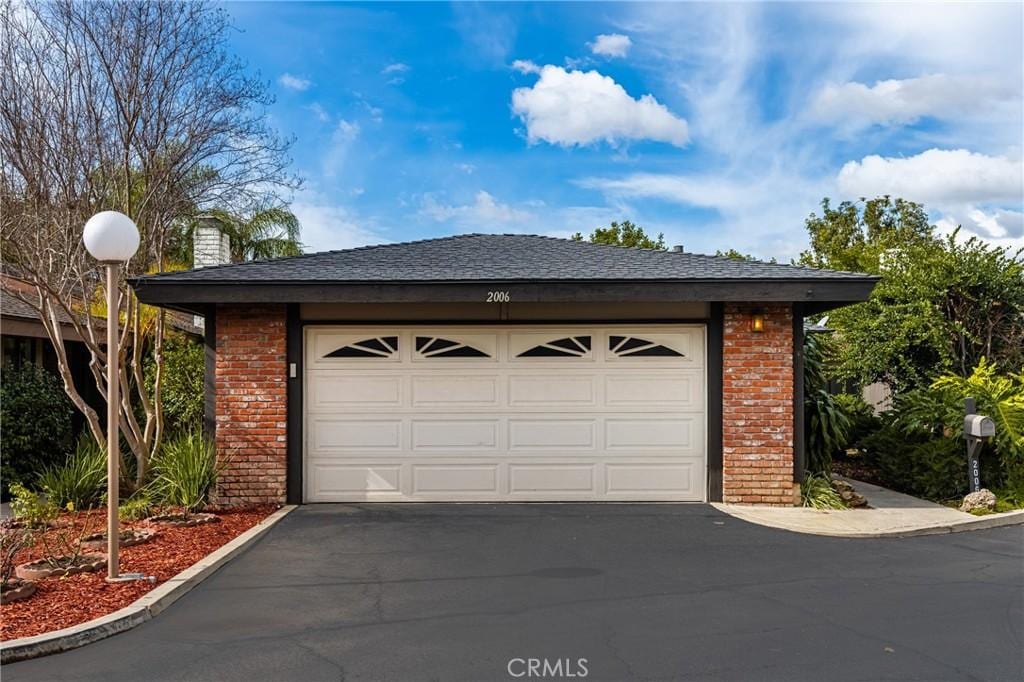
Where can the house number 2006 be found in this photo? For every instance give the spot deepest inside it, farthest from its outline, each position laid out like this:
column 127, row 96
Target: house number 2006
column 498, row 297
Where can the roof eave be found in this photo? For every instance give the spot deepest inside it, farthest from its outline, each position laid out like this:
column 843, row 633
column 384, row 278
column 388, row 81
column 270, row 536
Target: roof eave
column 196, row 295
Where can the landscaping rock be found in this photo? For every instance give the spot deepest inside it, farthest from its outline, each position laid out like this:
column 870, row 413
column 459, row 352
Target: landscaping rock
column 850, row 497
column 16, row 590
column 98, row 541
column 39, row 569
column 182, row 520
column 983, row 499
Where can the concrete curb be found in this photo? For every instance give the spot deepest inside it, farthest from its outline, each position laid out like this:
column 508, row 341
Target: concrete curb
column 142, row 609
column 1013, row 518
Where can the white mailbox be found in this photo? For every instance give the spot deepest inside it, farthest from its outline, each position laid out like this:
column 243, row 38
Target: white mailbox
column 979, row 426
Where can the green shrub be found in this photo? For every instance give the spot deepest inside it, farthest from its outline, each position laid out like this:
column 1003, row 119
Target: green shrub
column 827, row 429
column 80, row 480
column 182, row 383
column 863, row 421
column 29, row 508
column 185, row 471
column 817, row 492
column 35, row 419
column 826, row 426
column 920, row 448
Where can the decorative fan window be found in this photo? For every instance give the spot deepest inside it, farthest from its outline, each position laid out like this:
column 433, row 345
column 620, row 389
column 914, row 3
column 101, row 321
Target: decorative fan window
column 631, row 346
column 436, row 347
column 378, row 347
column 569, row 347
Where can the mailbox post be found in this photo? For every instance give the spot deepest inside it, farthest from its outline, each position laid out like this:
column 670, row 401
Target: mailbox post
column 977, row 428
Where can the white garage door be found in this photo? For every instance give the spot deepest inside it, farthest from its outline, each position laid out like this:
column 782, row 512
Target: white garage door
column 505, row 413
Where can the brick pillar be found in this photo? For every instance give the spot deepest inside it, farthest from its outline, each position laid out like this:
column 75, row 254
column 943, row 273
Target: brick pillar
column 757, row 410
column 251, row 404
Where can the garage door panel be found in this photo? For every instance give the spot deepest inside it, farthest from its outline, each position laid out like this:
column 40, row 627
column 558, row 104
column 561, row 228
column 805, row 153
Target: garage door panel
column 646, row 479
column 354, row 435
column 551, row 434
column 484, row 413
column 338, row 390
column 348, row 480
column 440, row 390
column 454, row 434
column 455, row 480
column 528, row 479
column 672, row 433
column 552, row 389
column 683, row 390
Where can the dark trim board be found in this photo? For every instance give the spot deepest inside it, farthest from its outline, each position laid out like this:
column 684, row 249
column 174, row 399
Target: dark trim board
column 210, row 372
column 294, row 378
column 500, row 323
column 713, row 362
column 799, row 446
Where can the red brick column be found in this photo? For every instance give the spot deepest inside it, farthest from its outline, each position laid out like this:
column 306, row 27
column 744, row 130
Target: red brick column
column 252, row 405
column 757, row 411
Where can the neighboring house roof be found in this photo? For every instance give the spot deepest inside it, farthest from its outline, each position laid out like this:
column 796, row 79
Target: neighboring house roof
column 497, row 257
column 464, row 268
column 13, row 306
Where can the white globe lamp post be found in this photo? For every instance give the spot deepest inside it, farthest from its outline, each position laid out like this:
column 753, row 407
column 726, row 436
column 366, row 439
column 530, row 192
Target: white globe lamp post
column 112, row 238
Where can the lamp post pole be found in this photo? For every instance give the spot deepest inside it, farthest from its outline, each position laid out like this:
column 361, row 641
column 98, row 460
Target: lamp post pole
column 112, row 238
column 113, row 422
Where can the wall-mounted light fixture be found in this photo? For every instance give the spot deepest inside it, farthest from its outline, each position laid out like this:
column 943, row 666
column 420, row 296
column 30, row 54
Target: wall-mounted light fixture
column 757, row 321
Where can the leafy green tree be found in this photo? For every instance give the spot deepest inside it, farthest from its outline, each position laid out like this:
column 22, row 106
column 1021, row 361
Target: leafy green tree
column 941, row 305
column 740, row 256
column 624, row 234
column 855, row 235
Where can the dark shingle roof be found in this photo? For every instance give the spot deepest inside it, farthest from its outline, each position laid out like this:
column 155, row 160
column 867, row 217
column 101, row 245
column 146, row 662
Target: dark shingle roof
column 498, row 257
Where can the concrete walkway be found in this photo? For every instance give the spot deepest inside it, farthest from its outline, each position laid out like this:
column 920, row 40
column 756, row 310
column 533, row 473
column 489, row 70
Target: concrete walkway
column 890, row 514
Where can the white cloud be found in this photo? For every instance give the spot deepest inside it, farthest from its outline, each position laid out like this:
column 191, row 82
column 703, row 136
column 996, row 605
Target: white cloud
column 999, row 226
column 983, row 194
column 296, row 83
column 580, row 108
column 327, row 226
column 905, row 101
column 320, row 113
column 342, row 139
column 482, row 213
column 525, row 66
column 936, row 176
column 611, row 45
column 397, row 72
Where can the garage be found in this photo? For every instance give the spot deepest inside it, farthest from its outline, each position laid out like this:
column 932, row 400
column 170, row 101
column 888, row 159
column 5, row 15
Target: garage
column 486, row 413
column 504, row 368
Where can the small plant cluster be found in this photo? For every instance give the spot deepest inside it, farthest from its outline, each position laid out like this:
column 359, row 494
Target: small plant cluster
column 183, row 475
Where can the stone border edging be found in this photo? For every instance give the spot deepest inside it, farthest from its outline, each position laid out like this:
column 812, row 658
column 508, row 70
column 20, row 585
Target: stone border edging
column 142, row 609
column 1011, row 518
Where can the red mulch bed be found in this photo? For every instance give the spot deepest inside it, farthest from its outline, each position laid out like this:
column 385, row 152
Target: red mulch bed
column 63, row 602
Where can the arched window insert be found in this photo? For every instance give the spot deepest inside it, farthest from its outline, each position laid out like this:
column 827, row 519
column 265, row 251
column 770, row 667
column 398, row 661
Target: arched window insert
column 378, row 347
column 631, row 346
column 569, row 347
column 436, row 347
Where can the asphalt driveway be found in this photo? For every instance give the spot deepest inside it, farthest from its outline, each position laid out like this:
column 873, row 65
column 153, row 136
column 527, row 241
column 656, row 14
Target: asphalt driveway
column 642, row 592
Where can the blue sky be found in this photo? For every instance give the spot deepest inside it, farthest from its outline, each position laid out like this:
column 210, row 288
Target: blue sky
column 721, row 125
